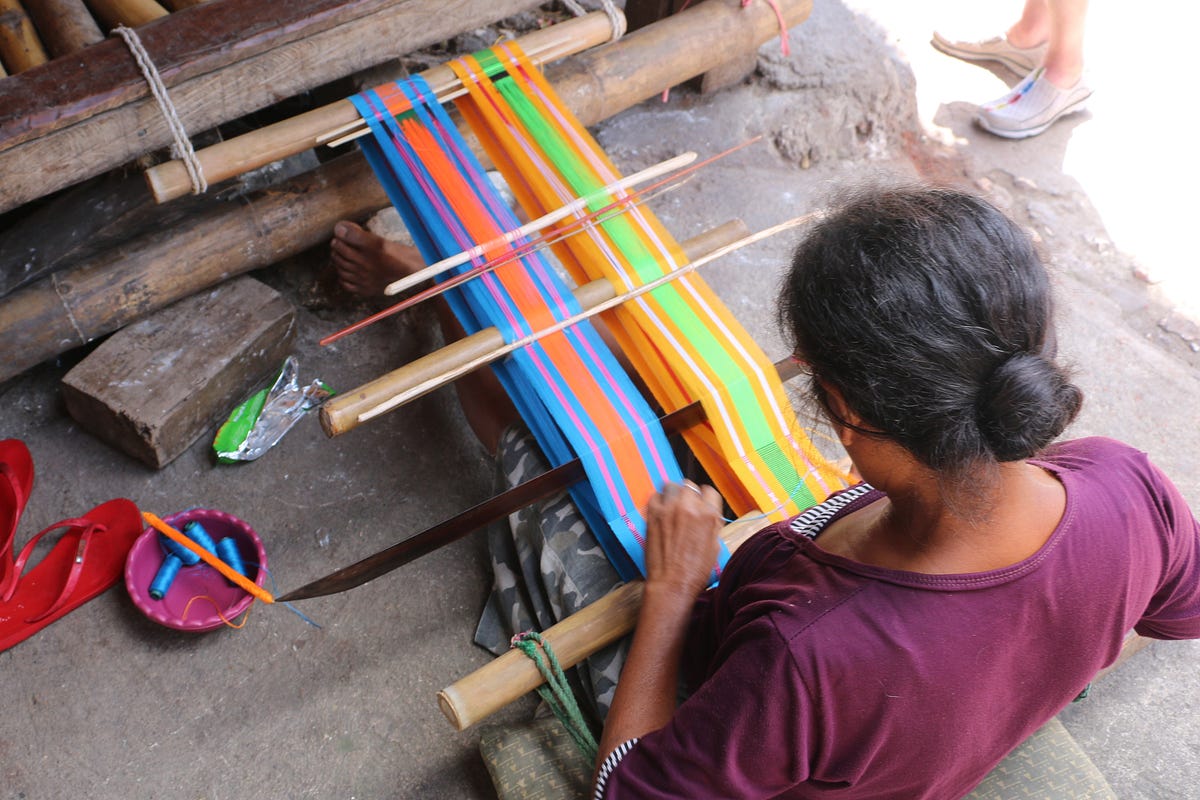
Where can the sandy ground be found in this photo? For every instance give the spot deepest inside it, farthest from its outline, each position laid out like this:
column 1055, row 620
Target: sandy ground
column 106, row 704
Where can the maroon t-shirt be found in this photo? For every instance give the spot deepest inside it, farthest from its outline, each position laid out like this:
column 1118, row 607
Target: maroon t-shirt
column 818, row 676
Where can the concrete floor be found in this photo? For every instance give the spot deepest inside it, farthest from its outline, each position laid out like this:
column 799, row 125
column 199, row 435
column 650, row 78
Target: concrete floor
column 105, row 704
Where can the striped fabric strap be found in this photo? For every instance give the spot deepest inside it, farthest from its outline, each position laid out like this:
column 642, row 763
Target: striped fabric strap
column 568, row 387
column 609, row 764
column 683, row 342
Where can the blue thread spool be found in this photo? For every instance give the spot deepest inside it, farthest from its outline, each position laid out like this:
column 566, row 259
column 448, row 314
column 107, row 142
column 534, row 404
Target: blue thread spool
column 227, row 551
column 196, row 532
column 174, row 548
column 165, row 576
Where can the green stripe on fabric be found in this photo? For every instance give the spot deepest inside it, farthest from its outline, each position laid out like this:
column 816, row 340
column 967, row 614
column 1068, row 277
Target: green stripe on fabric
column 711, row 349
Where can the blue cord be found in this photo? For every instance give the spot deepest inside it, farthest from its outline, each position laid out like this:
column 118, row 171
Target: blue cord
column 275, row 590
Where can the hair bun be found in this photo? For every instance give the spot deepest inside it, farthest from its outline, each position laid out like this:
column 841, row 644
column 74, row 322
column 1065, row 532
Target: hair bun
column 1025, row 403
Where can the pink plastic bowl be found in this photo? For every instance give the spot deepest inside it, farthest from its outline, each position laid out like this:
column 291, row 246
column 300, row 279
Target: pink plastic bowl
column 199, row 580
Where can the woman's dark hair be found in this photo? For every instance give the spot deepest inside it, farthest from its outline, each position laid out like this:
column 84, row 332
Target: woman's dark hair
column 929, row 311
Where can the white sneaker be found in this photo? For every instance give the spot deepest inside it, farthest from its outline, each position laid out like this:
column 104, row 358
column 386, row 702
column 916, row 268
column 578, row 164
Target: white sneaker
column 1021, row 60
column 1031, row 107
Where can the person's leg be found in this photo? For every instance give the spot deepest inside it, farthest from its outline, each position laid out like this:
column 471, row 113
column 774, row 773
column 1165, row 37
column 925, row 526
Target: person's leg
column 1033, row 28
column 1064, row 55
column 366, row 263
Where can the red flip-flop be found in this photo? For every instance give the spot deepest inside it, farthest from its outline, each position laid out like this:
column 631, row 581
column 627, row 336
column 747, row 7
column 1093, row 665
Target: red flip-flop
column 16, row 480
column 86, row 560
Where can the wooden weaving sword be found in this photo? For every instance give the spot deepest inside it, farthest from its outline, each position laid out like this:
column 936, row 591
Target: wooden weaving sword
column 508, row 502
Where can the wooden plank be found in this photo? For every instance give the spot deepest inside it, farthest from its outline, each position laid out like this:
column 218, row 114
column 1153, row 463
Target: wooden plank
column 66, row 155
column 66, row 26
column 157, row 386
column 181, row 46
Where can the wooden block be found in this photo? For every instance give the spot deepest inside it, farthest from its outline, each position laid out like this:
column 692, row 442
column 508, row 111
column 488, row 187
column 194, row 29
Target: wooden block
column 158, row 385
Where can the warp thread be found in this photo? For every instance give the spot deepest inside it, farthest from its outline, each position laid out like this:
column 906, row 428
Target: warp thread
column 182, row 147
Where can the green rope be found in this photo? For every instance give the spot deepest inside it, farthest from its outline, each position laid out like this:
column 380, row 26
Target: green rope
column 557, row 692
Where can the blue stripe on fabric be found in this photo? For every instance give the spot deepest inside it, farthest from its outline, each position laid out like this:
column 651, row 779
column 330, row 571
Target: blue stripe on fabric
column 423, row 207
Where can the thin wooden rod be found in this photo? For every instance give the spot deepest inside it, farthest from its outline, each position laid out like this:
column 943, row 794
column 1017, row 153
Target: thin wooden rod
column 542, row 222
column 341, row 413
column 257, row 148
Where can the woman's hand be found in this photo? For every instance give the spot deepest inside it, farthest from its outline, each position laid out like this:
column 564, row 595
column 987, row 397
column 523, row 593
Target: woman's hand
column 682, row 524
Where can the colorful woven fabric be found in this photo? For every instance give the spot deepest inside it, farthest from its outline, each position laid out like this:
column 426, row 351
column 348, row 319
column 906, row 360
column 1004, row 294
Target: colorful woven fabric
column 568, row 387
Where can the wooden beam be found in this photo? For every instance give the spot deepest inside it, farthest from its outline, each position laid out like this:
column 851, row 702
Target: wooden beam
column 219, row 60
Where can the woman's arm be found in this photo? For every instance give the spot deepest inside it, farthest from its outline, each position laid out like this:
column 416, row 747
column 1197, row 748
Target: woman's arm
column 682, row 525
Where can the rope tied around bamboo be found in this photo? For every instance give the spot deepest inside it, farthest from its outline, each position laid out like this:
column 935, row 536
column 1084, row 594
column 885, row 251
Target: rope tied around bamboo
column 181, row 149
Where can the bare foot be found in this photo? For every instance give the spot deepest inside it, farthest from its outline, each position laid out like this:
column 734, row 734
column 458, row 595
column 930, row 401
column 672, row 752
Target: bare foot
column 366, row 262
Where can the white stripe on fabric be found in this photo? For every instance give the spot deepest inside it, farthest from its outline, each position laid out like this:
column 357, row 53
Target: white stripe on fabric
column 610, row 764
column 811, row 522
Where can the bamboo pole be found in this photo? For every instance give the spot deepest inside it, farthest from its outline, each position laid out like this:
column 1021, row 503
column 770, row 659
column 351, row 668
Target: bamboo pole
column 20, row 48
column 105, row 292
column 513, row 675
column 232, row 157
column 66, row 26
column 128, row 12
column 341, row 413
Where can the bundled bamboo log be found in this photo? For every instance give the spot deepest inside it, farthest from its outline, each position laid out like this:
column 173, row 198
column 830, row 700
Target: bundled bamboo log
column 99, row 296
column 66, row 26
column 513, row 675
column 220, row 61
column 20, row 47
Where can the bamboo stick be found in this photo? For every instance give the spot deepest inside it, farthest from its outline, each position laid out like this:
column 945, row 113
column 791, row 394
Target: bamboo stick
column 437, row 381
column 66, row 26
column 127, row 12
column 342, row 413
column 541, row 223
column 496, row 684
column 232, row 157
column 20, row 48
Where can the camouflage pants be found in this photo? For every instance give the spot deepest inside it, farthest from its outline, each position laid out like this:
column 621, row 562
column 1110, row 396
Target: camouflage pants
column 547, row 565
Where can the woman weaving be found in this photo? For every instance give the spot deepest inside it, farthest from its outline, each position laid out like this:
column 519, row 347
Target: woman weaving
column 898, row 640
